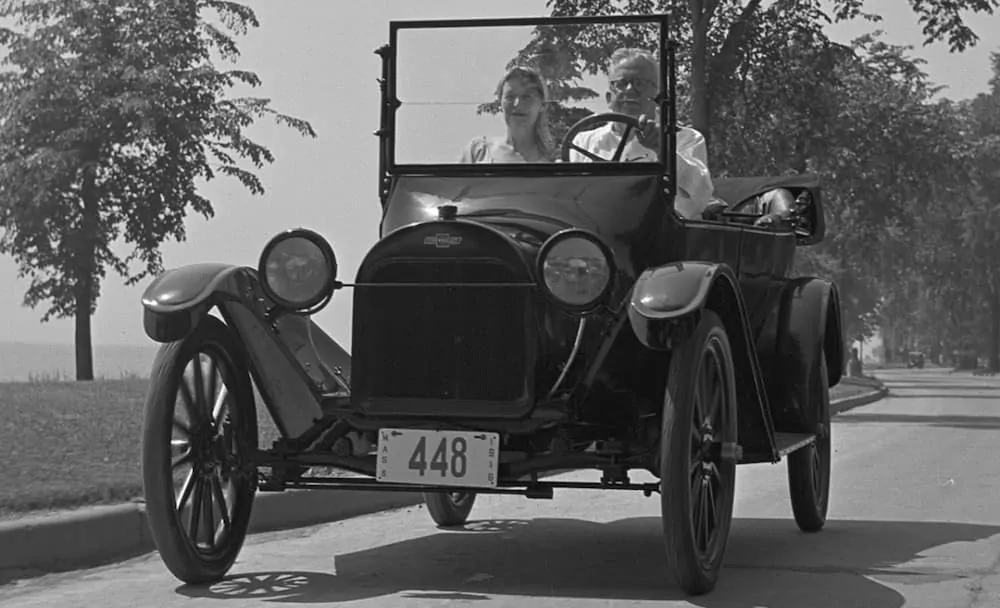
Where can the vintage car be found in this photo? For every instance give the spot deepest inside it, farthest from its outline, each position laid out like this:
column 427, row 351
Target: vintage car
column 512, row 321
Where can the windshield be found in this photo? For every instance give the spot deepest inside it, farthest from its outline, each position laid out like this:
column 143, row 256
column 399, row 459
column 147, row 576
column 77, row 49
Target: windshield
column 508, row 94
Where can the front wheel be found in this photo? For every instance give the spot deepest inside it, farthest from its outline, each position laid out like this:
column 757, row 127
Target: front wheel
column 449, row 509
column 698, row 447
column 200, row 425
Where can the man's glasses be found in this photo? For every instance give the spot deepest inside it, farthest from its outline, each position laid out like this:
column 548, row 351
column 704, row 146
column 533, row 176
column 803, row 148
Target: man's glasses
column 643, row 85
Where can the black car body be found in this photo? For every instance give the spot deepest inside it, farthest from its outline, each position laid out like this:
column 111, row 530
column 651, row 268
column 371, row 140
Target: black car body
column 456, row 328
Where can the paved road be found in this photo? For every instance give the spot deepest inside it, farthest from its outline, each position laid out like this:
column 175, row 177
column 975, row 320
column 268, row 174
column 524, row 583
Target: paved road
column 915, row 522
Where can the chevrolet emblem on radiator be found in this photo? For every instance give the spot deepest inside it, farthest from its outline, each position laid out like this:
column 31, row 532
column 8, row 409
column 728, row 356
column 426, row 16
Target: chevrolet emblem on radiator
column 442, row 241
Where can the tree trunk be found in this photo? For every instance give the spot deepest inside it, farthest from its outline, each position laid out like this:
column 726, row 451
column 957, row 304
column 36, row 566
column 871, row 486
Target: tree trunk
column 699, row 90
column 85, row 292
column 889, row 343
column 717, row 74
column 848, row 344
column 84, row 347
column 723, row 66
column 994, row 353
column 701, row 19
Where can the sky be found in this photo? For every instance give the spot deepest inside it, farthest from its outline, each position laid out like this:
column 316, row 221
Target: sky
column 316, row 59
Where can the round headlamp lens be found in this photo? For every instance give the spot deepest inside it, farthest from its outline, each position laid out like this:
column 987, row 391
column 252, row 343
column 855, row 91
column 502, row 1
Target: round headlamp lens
column 576, row 271
column 296, row 270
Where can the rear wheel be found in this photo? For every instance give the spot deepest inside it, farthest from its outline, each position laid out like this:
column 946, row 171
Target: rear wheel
column 449, row 509
column 809, row 467
column 698, row 456
column 200, row 426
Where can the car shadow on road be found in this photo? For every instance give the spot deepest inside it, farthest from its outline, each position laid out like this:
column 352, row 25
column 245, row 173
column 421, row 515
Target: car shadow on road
column 953, row 421
column 769, row 563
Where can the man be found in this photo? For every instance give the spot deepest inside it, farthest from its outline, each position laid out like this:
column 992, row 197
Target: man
column 633, row 83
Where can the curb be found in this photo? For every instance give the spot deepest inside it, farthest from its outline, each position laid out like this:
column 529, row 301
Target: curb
column 68, row 540
column 869, row 381
column 99, row 535
column 843, row 405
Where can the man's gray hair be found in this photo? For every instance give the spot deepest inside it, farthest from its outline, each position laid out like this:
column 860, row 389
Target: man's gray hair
column 628, row 54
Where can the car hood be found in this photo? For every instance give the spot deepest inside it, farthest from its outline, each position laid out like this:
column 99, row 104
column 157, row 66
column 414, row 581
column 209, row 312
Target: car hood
column 624, row 211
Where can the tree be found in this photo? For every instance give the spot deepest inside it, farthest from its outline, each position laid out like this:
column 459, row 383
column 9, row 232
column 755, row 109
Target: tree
column 981, row 216
column 110, row 111
column 950, row 300
column 860, row 116
column 890, row 152
column 772, row 93
column 786, row 98
column 713, row 34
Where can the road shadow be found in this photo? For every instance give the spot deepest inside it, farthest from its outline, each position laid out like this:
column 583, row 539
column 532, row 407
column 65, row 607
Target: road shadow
column 952, row 421
column 769, row 562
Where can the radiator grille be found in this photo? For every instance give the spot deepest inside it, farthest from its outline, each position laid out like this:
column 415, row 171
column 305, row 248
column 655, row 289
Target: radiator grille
column 442, row 342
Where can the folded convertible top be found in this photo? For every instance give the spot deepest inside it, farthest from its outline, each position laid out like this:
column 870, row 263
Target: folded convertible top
column 734, row 190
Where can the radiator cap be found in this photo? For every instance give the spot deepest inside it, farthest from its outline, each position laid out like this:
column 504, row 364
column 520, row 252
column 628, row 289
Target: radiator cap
column 448, row 212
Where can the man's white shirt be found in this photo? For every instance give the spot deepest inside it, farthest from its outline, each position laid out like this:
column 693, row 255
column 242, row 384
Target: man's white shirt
column 694, row 181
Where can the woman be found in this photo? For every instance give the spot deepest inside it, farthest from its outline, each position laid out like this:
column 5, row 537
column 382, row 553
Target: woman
column 523, row 99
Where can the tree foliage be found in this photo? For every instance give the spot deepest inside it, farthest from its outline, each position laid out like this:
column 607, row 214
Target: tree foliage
column 714, row 36
column 111, row 112
column 907, row 178
column 948, row 303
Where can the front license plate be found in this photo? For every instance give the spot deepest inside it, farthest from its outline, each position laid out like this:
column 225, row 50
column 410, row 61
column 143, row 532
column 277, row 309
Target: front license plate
column 443, row 458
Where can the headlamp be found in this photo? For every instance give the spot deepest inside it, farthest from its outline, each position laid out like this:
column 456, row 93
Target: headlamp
column 575, row 270
column 298, row 270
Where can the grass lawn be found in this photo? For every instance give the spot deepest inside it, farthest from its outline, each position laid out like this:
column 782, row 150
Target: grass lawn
column 72, row 444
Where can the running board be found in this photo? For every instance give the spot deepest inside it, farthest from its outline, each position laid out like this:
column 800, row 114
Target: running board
column 786, row 443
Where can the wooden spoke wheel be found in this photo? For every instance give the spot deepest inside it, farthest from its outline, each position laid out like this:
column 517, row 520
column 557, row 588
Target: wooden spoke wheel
column 809, row 468
column 201, row 424
column 698, row 456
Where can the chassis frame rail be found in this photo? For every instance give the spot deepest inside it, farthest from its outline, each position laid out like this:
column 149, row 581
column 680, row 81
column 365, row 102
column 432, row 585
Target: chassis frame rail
column 531, row 489
column 510, row 472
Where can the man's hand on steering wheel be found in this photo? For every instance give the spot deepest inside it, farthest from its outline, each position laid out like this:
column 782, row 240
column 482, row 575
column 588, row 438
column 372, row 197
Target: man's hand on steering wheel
column 648, row 133
column 630, row 123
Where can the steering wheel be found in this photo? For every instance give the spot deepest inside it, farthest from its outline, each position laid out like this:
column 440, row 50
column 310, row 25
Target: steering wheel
column 631, row 123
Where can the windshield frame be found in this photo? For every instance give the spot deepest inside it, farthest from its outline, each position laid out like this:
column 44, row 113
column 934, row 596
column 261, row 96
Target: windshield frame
column 390, row 103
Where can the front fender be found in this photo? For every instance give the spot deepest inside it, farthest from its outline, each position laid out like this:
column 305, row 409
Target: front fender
column 176, row 301
column 667, row 301
column 293, row 362
column 666, row 307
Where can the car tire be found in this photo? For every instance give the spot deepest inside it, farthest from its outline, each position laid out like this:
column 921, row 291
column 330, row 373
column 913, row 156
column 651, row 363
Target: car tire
column 702, row 364
column 217, row 451
column 809, row 467
column 449, row 509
